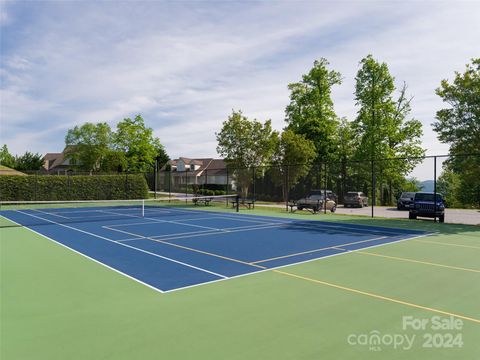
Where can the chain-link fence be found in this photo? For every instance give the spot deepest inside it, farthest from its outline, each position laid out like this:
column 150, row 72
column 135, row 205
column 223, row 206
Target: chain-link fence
column 379, row 188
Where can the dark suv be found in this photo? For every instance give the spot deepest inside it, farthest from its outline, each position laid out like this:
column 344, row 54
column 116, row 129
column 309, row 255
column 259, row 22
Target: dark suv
column 424, row 205
column 405, row 200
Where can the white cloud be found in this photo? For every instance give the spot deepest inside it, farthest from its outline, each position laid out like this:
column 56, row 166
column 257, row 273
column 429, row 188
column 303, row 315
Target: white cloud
column 184, row 67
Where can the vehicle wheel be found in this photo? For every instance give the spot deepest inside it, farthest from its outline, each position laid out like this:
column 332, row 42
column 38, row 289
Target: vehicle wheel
column 441, row 218
column 412, row 216
column 315, row 209
column 333, row 209
column 399, row 207
column 299, row 208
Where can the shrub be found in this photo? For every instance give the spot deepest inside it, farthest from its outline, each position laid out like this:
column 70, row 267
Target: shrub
column 81, row 187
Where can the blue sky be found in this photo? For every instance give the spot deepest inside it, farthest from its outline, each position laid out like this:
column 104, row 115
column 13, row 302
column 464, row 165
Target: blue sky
column 185, row 65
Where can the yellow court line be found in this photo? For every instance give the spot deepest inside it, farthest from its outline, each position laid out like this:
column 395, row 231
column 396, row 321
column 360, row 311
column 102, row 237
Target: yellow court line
column 376, row 296
column 448, row 244
column 416, row 261
column 315, row 250
column 207, row 253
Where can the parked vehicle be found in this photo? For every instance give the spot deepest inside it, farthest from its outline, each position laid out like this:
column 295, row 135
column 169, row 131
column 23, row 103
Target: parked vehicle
column 425, row 205
column 355, row 199
column 404, row 201
column 330, row 194
column 315, row 203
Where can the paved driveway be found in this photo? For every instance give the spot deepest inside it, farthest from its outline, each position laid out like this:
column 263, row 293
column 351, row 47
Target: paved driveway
column 455, row 216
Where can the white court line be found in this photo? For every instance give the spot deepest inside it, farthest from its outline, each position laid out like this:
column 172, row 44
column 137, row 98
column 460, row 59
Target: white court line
column 163, row 221
column 122, row 244
column 193, row 219
column 86, row 256
column 299, row 263
column 44, row 212
column 213, row 231
column 236, row 276
column 145, row 237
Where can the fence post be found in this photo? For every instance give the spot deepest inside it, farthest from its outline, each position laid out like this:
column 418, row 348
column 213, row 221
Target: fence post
column 254, row 189
column 206, row 180
column 373, row 189
column 155, row 180
column 287, row 189
column 325, row 189
column 226, row 190
column 169, row 183
column 434, row 189
column 186, row 187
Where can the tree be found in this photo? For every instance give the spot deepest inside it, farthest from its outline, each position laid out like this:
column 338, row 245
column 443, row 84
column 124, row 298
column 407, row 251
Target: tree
column 6, row 159
column 245, row 144
column 292, row 160
column 346, row 147
column 138, row 144
column 89, row 145
column 382, row 126
column 310, row 112
column 449, row 184
column 28, row 161
column 459, row 126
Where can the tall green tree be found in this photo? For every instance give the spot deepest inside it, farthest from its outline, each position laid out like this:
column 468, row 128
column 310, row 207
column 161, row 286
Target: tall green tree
column 311, row 112
column 136, row 141
column 6, row 159
column 29, row 161
column 89, row 145
column 292, row 160
column 346, row 147
column 459, row 126
column 383, row 126
column 246, row 144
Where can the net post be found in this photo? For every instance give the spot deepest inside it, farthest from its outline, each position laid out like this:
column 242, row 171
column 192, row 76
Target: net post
column 143, row 207
column 237, row 205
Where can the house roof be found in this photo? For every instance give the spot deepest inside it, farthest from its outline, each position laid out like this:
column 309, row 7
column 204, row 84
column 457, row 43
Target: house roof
column 54, row 159
column 213, row 166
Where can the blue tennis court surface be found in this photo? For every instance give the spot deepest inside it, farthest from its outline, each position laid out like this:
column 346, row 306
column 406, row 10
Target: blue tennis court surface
column 173, row 248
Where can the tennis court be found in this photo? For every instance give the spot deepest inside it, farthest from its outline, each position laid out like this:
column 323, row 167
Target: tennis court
column 168, row 279
column 171, row 248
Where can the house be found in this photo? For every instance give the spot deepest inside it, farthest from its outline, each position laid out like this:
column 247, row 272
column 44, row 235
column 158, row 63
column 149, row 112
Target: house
column 208, row 172
column 58, row 163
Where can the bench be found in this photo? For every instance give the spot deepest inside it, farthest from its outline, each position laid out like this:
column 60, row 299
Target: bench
column 198, row 201
column 248, row 203
column 309, row 207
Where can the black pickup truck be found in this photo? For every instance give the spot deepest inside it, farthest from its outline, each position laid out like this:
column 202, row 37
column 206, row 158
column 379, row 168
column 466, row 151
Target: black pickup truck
column 424, row 204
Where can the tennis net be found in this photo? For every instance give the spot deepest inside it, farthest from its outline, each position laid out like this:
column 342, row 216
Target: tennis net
column 27, row 213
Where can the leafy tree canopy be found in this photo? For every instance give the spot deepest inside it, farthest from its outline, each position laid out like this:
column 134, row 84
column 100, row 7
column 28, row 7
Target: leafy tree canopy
column 311, row 111
column 6, row 159
column 136, row 141
column 29, row 161
column 459, row 123
column 89, row 145
column 459, row 126
column 132, row 147
column 246, row 143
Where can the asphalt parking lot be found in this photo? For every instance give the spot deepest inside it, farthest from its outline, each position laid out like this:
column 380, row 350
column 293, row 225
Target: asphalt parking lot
column 453, row 216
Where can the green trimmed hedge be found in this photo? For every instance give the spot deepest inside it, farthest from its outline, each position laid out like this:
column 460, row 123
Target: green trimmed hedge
column 78, row 187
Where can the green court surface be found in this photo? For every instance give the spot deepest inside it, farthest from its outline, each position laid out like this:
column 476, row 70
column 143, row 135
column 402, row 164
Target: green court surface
column 56, row 304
